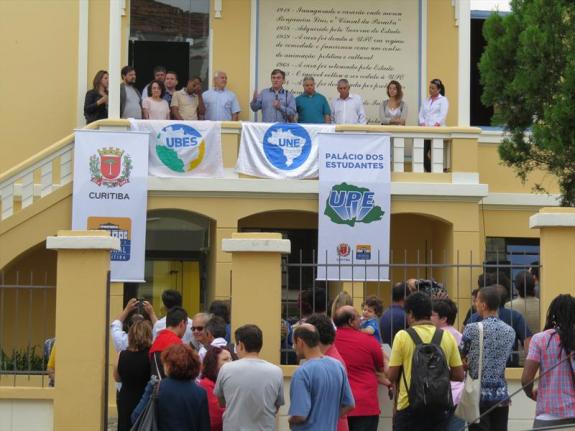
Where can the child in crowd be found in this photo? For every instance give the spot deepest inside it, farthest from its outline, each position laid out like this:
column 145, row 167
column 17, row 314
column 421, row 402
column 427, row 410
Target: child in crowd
column 371, row 311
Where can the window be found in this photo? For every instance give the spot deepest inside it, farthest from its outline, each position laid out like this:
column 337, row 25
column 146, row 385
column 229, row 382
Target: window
column 170, row 33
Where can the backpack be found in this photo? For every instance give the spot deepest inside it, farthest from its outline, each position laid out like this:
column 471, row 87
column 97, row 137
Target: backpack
column 430, row 388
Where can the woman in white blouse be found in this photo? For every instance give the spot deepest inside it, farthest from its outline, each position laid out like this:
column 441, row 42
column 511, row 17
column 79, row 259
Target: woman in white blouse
column 434, row 109
column 432, row 114
column 393, row 110
column 154, row 106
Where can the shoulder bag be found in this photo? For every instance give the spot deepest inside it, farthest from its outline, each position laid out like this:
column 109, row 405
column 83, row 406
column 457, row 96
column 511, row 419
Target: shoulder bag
column 468, row 407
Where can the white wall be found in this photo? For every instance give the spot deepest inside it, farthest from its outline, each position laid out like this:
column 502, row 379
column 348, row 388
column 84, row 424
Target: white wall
column 26, row 415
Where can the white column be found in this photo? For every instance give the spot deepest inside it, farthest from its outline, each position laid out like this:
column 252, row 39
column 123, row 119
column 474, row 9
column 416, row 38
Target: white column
column 83, row 20
column 417, row 164
column 398, row 154
column 464, row 74
column 114, row 58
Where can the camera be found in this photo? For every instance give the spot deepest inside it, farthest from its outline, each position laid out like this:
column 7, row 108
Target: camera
column 430, row 287
column 140, row 307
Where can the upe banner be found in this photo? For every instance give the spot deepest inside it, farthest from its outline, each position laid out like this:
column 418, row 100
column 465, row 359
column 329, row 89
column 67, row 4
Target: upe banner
column 280, row 150
column 183, row 148
column 110, row 193
column 354, row 206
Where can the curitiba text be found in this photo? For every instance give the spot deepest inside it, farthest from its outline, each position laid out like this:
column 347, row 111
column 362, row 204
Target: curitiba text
column 109, row 195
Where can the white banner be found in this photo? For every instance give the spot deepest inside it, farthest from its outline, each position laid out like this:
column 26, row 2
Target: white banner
column 354, row 206
column 183, row 148
column 110, row 193
column 281, row 150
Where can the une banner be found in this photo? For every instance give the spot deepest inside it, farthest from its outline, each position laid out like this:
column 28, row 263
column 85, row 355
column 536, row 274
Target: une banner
column 110, row 193
column 280, row 150
column 183, row 148
column 354, row 206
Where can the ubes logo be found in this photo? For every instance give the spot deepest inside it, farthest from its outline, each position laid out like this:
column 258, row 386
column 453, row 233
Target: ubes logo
column 349, row 204
column 180, row 147
column 287, row 146
column 111, row 167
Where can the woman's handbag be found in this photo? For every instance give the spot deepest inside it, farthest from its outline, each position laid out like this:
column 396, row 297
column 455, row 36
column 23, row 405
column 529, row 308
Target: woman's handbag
column 148, row 419
column 468, row 407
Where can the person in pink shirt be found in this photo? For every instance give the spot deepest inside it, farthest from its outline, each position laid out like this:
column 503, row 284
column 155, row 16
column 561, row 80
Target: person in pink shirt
column 551, row 352
column 363, row 357
column 326, row 331
column 443, row 317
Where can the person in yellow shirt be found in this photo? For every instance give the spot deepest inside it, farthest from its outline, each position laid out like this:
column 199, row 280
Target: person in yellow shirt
column 51, row 366
column 418, row 308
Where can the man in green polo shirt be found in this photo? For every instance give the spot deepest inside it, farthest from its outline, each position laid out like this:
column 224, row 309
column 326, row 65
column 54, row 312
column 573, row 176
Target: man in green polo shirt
column 312, row 107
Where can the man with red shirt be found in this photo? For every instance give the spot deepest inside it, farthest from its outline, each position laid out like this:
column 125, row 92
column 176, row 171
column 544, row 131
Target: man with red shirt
column 326, row 332
column 364, row 360
column 176, row 323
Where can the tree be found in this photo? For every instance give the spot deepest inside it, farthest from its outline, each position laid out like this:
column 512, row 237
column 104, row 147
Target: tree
column 528, row 74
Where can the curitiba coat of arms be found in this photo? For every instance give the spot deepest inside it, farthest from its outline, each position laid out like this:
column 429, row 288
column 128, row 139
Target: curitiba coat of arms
column 111, row 167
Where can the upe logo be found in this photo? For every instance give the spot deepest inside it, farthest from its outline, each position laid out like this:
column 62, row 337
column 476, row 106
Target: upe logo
column 343, row 249
column 287, row 146
column 349, row 204
column 180, row 148
column 111, row 167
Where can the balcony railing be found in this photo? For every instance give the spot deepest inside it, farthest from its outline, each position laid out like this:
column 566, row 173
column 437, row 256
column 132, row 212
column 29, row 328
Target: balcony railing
column 449, row 149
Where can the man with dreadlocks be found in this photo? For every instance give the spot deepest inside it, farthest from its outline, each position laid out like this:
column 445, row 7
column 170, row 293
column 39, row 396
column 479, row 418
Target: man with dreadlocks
column 552, row 352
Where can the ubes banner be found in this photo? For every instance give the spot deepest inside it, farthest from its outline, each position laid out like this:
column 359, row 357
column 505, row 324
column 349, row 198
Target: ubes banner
column 183, row 148
column 354, row 206
column 110, row 193
column 281, row 150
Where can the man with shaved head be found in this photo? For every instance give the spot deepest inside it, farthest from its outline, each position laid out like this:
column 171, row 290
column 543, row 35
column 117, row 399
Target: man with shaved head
column 319, row 389
column 365, row 367
column 221, row 103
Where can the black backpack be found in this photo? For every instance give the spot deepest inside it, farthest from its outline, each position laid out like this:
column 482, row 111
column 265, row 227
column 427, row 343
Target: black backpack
column 430, row 388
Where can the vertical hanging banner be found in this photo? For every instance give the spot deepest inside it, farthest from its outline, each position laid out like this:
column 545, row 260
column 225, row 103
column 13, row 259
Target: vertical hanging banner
column 354, row 206
column 110, row 193
column 183, row 148
column 280, row 150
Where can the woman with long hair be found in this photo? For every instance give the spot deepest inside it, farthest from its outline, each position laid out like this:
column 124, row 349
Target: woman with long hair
column 393, row 111
column 180, row 404
column 215, row 358
column 133, row 371
column 551, row 352
column 96, row 100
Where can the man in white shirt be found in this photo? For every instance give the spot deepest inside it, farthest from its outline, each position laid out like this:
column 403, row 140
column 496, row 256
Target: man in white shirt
column 170, row 299
column 119, row 336
column 347, row 108
column 250, row 388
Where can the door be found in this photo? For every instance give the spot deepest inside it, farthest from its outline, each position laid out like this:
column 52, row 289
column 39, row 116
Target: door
column 145, row 55
column 180, row 275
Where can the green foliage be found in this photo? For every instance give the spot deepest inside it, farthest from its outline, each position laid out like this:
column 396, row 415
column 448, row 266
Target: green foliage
column 22, row 360
column 528, row 74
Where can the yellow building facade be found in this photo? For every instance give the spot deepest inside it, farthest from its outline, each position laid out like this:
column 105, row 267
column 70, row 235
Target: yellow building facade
column 465, row 212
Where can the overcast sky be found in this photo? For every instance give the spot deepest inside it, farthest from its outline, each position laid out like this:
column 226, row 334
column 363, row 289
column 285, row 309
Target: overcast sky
column 501, row 5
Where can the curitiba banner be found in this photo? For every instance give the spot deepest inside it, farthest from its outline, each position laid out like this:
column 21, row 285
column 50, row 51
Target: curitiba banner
column 354, row 206
column 110, row 193
column 183, row 148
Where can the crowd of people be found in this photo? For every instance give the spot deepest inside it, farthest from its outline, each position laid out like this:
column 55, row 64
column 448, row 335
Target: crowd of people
column 163, row 99
column 201, row 381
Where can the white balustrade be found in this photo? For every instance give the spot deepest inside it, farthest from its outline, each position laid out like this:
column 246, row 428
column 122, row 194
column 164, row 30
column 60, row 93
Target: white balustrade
column 20, row 185
column 46, row 166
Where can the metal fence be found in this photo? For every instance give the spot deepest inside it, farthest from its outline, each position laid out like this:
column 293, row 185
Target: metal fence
column 303, row 293
column 27, row 327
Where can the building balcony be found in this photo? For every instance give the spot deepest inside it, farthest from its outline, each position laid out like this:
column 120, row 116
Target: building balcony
column 453, row 152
